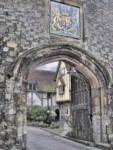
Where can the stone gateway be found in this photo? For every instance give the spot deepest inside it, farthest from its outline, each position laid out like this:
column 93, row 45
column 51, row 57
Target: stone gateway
column 26, row 41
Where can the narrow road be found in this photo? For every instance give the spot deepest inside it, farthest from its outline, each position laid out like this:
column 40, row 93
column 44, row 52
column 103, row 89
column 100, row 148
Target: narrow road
column 42, row 140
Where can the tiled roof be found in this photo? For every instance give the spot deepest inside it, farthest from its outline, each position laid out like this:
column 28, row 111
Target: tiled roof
column 45, row 80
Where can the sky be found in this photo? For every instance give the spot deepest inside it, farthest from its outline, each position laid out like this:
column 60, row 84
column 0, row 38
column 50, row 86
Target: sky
column 49, row 67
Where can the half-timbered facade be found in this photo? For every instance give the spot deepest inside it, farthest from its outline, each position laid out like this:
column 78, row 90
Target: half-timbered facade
column 63, row 83
column 41, row 89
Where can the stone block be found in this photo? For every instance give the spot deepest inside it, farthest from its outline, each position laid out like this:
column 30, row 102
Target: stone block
column 96, row 102
column 8, row 96
column 13, row 53
column 1, row 142
column 6, row 49
column 11, row 44
column 111, row 138
column 103, row 146
column 20, row 130
column 9, row 86
column 11, row 111
column 9, row 59
column 1, row 78
column 14, row 148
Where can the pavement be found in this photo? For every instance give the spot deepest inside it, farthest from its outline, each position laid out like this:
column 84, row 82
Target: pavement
column 38, row 139
column 62, row 131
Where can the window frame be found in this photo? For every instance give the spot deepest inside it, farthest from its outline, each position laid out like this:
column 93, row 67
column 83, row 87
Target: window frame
column 61, row 89
column 32, row 87
column 45, row 95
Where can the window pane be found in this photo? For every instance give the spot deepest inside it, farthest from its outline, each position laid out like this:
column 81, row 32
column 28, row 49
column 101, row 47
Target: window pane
column 30, row 86
column 61, row 89
column 48, row 95
column 34, row 86
column 44, row 95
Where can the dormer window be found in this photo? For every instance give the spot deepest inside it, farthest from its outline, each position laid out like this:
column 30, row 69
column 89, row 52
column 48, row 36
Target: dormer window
column 32, row 87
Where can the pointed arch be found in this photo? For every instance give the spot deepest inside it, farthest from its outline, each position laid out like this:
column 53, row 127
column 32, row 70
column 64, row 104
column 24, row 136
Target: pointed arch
column 84, row 61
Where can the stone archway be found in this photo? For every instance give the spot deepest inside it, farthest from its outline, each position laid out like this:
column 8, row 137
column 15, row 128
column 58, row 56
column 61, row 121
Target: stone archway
column 85, row 63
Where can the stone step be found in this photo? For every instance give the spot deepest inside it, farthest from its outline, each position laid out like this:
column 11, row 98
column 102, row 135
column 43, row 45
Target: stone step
column 103, row 146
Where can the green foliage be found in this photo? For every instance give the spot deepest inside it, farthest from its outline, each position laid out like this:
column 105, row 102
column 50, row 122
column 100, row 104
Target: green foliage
column 39, row 116
column 54, row 125
column 52, row 115
column 38, row 124
column 37, row 113
column 28, row 114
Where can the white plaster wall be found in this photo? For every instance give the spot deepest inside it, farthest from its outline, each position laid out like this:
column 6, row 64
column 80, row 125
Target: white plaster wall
column 36, row 99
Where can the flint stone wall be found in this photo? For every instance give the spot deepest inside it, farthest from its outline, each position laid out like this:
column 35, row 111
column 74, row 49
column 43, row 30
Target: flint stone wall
column 24, row 24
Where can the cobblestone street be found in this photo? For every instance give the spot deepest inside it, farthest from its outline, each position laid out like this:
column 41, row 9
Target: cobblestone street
column 42, row 140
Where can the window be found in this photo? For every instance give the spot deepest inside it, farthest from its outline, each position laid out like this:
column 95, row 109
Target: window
column 62, row 72
column 32, row 86
column 48, row 95
column 45, row 95
column 61, row 89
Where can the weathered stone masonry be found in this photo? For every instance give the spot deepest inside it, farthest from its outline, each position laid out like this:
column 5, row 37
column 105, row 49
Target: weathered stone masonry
column 25, row 41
